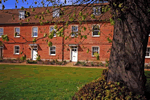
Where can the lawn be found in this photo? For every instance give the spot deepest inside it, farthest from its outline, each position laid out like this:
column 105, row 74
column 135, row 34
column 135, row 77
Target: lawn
column 20, row 82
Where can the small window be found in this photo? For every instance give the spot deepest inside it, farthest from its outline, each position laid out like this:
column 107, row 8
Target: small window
column 56, row 12
column 74, row 31
column 96, row 29
column 52, row 29
column 96, row 10
column 95, row 50
column 22, row 14
column 17, row 32
column 147, row 52
column 1, row 32
column 16, row 50
column 52, row 50
column 35, row 32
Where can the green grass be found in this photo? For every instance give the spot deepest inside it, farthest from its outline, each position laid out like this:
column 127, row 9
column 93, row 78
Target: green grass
column 18, row 82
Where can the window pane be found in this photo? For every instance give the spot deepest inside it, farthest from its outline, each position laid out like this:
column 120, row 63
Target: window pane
column 35, row 34
column 1, row 30
column 52, row 52
column 17, row 29
column 1, row 34
column 74, row 29
column 55, row 12
column 96, row 27
column 51, row 29
column 52, row 48
column 95, row 32
column 35, row 29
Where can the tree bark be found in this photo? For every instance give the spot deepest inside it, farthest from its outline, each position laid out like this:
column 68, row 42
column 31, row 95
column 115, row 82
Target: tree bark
column 129, row 44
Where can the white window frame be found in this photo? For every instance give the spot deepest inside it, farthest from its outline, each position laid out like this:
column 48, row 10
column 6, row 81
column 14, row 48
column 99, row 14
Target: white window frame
column 97, row 12
column 2, row 32
column 33, row 32
column 51, row 31
column 50, row 51
column 74, row 32
column 92, row 50
column 15, row 32
column 21, row 14
column 56, row 12
column 147, row 52
column 96, row 30
column 15, row 50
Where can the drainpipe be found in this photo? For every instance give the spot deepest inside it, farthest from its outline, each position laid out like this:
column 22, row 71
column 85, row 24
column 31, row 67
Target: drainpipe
column 63, row 44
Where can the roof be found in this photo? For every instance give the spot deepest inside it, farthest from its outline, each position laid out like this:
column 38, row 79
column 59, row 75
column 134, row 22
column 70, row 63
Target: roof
column 70, row 13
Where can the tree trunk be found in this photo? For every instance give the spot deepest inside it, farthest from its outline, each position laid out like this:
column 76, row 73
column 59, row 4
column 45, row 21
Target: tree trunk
column 129, row 44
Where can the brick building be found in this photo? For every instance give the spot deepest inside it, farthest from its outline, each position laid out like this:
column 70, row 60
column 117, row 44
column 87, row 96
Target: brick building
column 26, row 23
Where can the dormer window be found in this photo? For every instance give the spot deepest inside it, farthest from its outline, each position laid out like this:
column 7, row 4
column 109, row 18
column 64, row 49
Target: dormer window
column 96, row 10
column 21, row 14
column 56, row 12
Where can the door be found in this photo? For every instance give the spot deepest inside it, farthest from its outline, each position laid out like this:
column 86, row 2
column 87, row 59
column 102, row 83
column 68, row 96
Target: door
column 0, row 53
column 74, row 54
column 34, row 54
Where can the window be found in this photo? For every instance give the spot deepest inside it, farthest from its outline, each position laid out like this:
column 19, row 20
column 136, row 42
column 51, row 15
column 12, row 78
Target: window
column 147, row 52
column 22, row 14
column 96, row 10
column 16, row 50
column 17, row 32
column 52, row 50
column 95, row 50
column 1, row 31
column 74, row 31
column 56, row 12
column 35, row 32
column 96, row 30
column 52, row 29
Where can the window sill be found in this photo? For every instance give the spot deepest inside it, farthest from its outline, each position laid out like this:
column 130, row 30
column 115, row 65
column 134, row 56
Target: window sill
column 96, row 36
column 16, row 53
column 16, row 36
column 147, row 56
column 52, row 54
column 34, row 36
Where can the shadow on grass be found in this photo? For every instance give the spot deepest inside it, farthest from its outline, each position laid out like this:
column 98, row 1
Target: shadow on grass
column 147, row 73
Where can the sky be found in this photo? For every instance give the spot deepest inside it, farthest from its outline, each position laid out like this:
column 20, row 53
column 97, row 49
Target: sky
column 10, row 4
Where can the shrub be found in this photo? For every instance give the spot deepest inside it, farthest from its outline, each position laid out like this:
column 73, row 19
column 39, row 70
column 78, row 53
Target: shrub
column 31, row 62
column 101, row 64
column 78, row 63
column 92, row 64
column 38, row 57
column 107, row 63
column 83, row 64
column 23, row 58
column 101, row 90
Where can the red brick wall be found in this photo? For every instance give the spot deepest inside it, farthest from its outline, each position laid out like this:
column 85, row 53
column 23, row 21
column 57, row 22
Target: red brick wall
column 43, row 50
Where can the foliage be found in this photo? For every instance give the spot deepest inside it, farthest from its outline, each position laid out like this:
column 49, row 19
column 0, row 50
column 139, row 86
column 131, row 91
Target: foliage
column 50, row 44
column 107, row 63
column 5, row 37
column 101, row 90
column 96, row 55
column 23, row 58
column 38, row 57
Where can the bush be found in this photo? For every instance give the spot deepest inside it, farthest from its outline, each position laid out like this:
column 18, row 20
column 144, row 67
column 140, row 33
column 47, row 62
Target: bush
column 23, row 58
column 31, row 62
column 92, row 64
column 78, row 63
column 83, row 64
column 107, row 63
column 101, row 64
column 101, row 90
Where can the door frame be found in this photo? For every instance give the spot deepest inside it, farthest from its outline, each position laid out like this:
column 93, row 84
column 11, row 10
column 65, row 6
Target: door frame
column 2, row 51
column 32, row 51
column 71, row 53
